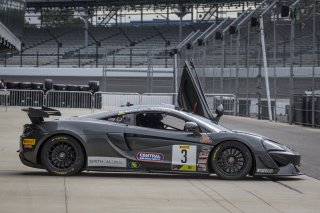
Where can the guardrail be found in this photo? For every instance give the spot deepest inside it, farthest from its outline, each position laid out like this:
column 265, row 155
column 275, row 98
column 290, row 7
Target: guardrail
column 102, row 100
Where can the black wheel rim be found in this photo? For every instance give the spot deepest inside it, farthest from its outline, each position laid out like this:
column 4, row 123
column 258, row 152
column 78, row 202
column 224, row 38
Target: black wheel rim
column 231, row 160
column 62, row 155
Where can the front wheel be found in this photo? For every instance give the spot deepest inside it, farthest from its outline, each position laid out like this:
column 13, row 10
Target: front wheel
column 231, row 160
column 62, row 155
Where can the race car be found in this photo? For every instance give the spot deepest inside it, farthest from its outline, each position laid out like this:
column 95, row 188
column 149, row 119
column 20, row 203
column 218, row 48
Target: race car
column 182, row 139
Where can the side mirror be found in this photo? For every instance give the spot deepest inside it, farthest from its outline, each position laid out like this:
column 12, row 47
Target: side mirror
column 192, row 127
column 219, row 112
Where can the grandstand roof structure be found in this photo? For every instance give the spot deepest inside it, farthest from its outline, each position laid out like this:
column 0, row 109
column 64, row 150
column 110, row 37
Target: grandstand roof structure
column 11, row 24
column 75, row 3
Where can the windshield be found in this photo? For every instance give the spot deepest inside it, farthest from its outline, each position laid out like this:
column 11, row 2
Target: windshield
column 208, row 124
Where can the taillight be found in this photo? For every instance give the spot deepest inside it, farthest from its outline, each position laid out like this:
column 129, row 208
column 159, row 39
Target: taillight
column 28, row 128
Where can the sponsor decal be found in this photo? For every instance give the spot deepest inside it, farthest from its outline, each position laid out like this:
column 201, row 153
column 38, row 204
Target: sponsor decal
column 205, row 148
column 150, row 156
column 107, row 161
column 204, row 154
column 202, row 165
column 184, row 158
column 134, row 165
column 266, row 171
column 202, row 169
column 184, row 167
column 205, row 138
column 60, row 173
column 27, row 141
column 202, row 160
column 59, row 138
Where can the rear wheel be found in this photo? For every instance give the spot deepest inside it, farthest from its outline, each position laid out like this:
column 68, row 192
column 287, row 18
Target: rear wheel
column 231, row 160
column 62, row 155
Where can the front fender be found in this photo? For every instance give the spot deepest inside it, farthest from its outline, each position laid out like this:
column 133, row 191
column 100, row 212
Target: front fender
column 253, row 142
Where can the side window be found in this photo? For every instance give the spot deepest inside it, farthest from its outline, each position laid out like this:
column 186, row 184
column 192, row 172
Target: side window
column 123, row 118
column 173, row 123
column 160, row 121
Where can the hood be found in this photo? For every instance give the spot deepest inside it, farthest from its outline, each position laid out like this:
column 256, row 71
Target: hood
column 191, row 97
column 251, row 134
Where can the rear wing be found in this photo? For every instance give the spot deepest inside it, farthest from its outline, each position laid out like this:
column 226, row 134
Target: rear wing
column 37, row 115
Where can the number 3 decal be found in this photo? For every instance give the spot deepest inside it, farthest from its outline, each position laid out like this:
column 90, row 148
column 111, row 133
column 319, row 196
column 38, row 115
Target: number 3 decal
column 184, row 157
column 184, row 152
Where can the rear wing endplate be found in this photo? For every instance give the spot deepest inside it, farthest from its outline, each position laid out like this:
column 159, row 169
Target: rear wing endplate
column 37, row 115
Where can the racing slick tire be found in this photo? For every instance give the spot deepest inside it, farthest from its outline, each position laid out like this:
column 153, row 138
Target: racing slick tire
column 62, row 155
column 231, row 160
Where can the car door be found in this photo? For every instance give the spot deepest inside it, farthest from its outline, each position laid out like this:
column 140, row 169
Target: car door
column 191, row 97
column 167, row 149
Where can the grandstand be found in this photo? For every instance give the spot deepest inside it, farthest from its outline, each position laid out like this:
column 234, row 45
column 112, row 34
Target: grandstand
column 42, row 43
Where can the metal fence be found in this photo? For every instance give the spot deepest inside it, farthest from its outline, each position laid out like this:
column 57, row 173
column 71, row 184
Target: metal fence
column 102, row 100
column 121, row 56
column 107, row 101
column 12, row 97
column 157, row 98
column 304, row 114
column 227, row 100
column 69, row 99
column 4, row 98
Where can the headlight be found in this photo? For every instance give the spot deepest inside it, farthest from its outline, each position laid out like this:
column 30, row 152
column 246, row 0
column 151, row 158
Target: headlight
column 272, row 146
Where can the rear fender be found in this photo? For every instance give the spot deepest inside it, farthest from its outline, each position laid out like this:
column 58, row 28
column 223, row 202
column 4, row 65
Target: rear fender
column 51, row 134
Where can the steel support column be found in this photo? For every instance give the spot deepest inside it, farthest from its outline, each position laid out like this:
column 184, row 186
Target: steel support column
column 266, row 74
column 275, row 66
column 248, row 69
column 58, row 57
column 86, row 27
column 291, row 88
column 314, row 61
column 175, row 77
column 97, row 54
column 180, row 29
column 237, row 71
column 37, row 60
column 222, row 62
column 79, row 58
column 204, row 65
column 141, row 16
column 292, row 43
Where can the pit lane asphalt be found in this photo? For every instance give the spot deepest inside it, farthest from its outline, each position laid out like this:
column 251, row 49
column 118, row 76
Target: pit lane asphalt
column 24, row 189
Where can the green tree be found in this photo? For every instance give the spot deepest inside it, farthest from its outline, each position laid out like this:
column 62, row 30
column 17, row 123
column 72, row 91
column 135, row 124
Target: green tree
column 59, row 18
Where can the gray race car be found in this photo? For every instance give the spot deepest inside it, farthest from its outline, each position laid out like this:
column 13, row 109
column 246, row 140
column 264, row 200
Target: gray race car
column 184, row 139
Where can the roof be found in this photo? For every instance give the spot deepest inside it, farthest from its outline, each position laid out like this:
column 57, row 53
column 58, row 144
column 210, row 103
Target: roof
column 135, row 108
